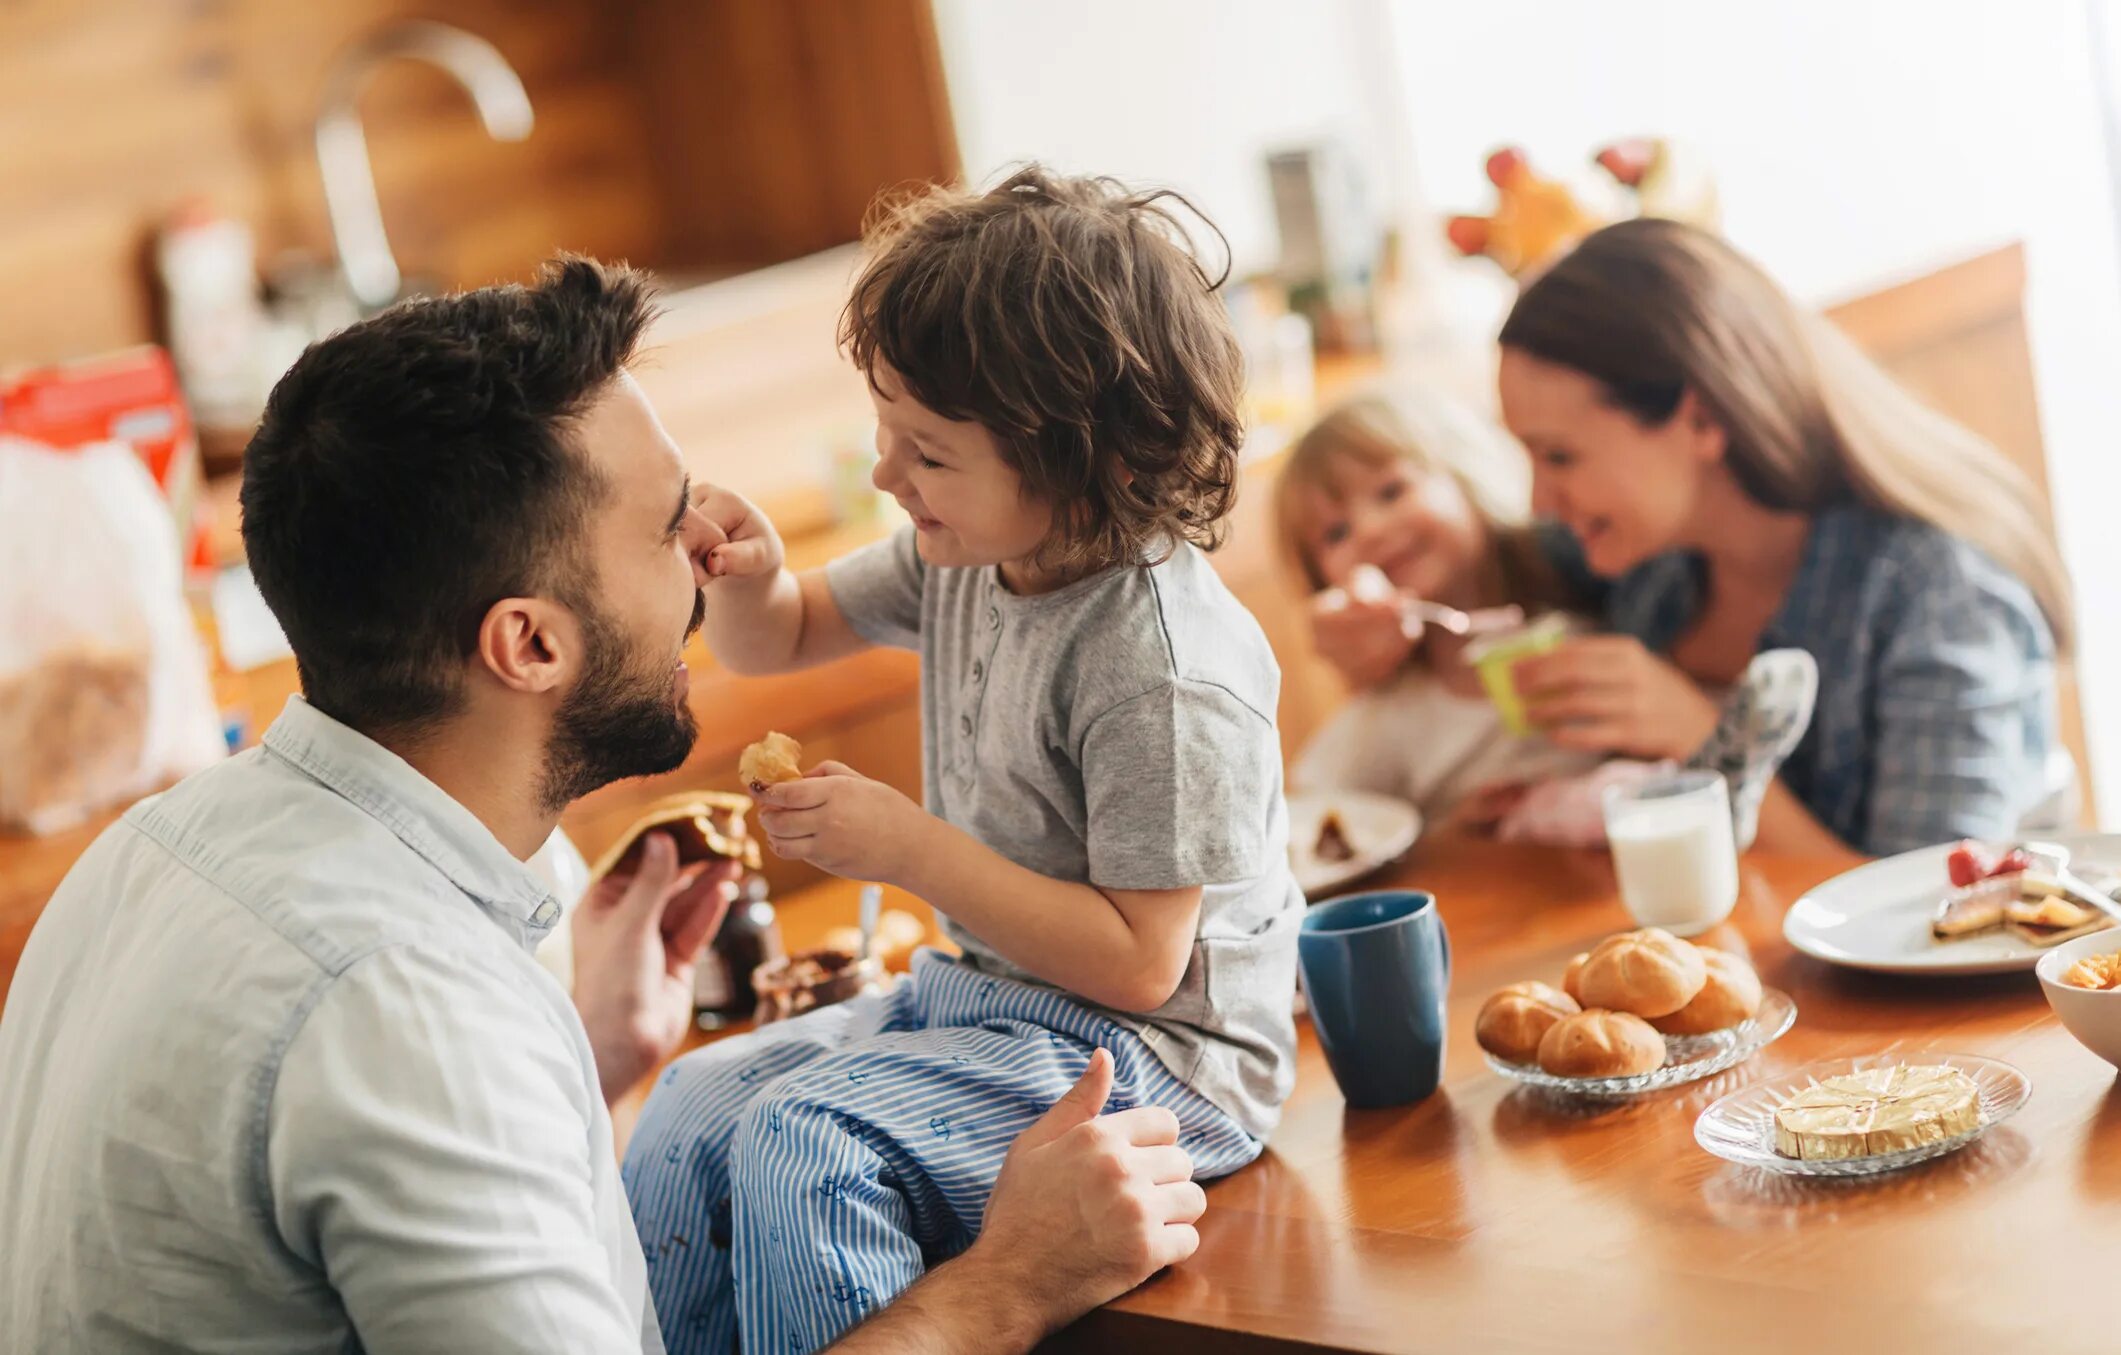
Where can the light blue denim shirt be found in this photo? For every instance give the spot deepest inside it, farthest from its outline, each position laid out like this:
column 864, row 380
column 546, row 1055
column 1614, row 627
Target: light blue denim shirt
column 278, row 1073
column 1936, row 713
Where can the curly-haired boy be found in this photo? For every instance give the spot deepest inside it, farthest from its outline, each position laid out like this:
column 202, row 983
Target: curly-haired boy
column 1057, row 393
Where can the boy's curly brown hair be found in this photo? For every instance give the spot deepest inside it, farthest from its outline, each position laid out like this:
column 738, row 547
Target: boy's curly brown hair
column 1071, row 318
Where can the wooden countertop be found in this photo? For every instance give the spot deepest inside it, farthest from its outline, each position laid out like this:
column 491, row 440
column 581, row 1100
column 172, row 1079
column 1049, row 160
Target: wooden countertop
column 1490, row 1218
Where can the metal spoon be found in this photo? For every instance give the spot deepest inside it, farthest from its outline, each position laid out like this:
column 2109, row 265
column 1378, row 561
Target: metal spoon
column 1369, row 584
column 1458, row 622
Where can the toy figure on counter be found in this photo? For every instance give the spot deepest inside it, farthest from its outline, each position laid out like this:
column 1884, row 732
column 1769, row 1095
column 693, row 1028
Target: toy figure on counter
column 1536, row 219
column 1669, row 179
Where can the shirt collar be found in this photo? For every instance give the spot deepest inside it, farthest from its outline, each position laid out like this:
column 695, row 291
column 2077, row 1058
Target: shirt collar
column 1815, row 589
column 1657, row 600
column 422, row 815
column 1023, row 604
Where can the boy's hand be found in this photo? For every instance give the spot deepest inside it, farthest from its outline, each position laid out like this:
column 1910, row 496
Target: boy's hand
column 751, row 548
column 841, row 821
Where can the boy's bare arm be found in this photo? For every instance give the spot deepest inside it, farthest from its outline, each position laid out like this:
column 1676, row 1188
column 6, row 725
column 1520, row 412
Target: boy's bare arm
column 1120, row 948
column 761, row 616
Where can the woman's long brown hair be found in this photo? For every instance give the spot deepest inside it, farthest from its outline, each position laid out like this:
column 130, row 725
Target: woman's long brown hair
column 1653, row 309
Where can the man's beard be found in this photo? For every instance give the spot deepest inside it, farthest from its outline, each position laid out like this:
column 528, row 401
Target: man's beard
column 619, row 720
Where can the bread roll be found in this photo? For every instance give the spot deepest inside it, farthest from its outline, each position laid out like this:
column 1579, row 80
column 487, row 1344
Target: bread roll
column 1601, row 1044
column 1512, row 1022
column 1730, row 995
column 1648, row 973
column 1572, row 977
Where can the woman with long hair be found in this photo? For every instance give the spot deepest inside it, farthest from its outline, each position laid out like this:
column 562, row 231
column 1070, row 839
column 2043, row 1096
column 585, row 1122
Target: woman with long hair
column 1734, row 477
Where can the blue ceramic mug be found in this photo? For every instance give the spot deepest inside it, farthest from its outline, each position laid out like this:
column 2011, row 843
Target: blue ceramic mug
column 1377, row 971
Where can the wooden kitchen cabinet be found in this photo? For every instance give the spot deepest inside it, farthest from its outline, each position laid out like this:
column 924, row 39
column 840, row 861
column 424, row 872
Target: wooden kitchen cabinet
column 700, row 138
column 774, row 126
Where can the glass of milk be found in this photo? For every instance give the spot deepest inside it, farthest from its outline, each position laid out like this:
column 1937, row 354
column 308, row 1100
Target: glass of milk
column 1672, row 848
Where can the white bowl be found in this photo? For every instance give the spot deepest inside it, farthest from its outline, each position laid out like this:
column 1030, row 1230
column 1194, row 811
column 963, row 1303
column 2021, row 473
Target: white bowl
column 2092, row 1015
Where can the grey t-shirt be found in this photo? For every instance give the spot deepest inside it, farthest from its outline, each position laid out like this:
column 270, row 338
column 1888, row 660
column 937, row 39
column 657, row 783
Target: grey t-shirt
column 1117, row 732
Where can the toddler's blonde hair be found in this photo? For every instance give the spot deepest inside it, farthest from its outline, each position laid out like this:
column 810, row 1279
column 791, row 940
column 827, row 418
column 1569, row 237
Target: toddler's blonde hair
column 1424, row 428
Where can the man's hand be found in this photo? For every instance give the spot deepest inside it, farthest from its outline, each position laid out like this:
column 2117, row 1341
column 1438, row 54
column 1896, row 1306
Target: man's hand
column 1089, row 1206
column 841, row 821
column 750, row 548
column 1085, row 1209
column 636, row 939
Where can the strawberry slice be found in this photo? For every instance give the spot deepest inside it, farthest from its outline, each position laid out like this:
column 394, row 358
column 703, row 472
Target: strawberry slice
column 1970, row 863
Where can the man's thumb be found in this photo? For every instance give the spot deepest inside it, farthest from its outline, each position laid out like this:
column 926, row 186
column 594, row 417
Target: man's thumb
column 653, row 877
column 1080, row 1104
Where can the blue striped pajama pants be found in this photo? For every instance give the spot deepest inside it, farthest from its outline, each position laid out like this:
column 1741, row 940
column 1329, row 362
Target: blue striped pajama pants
column 790, row 1182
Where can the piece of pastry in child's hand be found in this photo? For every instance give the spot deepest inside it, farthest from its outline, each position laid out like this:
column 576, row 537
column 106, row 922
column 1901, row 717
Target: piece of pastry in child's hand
column 769, row 762
column 1513, row 1022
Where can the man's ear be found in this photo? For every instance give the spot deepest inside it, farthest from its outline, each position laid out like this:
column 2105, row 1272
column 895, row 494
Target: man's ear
column 530, row 644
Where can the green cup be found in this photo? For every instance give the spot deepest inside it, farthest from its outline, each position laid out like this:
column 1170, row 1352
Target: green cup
column 1495, row 658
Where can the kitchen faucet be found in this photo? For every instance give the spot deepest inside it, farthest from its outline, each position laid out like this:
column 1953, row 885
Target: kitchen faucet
column 370, row 269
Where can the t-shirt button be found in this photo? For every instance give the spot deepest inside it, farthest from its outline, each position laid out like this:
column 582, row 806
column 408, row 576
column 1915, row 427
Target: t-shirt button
column 994, row 618
column 964, row 724
column 979, row 669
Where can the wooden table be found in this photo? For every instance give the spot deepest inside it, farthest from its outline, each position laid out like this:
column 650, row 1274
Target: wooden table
column 1491, row 1219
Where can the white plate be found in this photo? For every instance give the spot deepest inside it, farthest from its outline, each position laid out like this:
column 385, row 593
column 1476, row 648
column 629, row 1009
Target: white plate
column 1688, row 1058
column 1877, row 916
column 1380, row 829
column 1741, row 1127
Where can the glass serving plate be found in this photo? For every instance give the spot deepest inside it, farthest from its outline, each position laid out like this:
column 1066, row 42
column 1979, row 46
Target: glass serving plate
column 1687, row 1058
column 1741, row 1127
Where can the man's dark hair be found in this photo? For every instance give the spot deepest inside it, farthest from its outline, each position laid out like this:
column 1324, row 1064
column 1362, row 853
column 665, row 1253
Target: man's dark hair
column 414, row 469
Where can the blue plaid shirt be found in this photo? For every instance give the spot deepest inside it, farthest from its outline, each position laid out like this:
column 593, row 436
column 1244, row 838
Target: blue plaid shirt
column 1936, row 712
